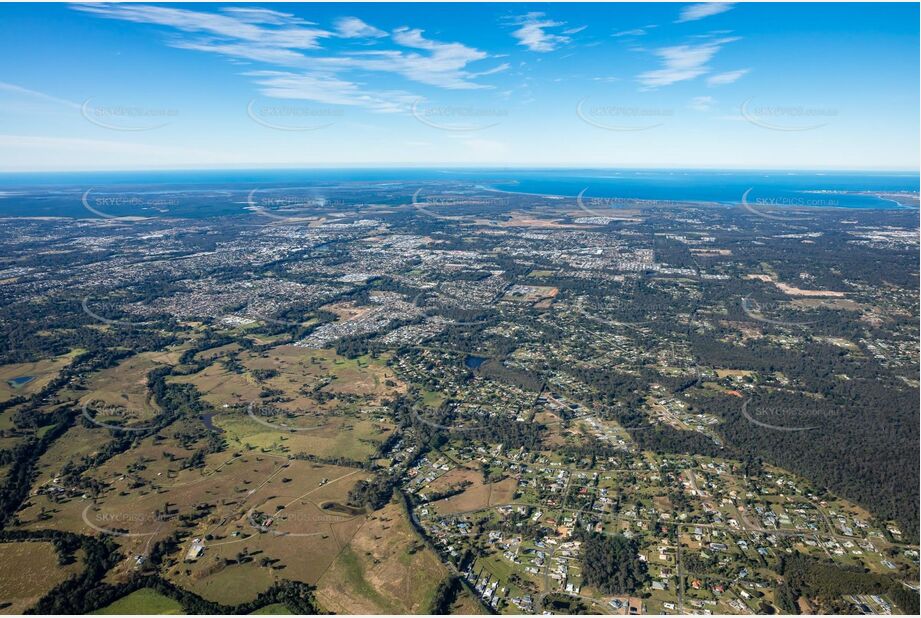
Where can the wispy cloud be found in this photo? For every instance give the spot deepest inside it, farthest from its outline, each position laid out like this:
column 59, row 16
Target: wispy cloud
column 35, row 94
column 721, row 79
column 354, row 28
column 532, row 32
column 330, row 90
column 682, row 62
column 443, row 64
column 701, row 104
column 254, row 15
column 633, row 32
column 284, row 41
column 693, row 12
column 260, row 27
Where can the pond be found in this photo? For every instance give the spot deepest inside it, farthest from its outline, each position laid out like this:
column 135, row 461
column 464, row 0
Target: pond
column 20, row 381
column 474, row 362
column 207, row 419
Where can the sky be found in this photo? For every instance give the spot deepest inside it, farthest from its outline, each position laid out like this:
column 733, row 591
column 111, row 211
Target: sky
column 645, row 85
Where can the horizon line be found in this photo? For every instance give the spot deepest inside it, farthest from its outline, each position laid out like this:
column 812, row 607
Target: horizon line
column 461, row 166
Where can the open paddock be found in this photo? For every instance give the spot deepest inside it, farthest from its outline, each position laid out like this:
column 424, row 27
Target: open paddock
column 386, row 568
column 28, row 570
column 27, row 379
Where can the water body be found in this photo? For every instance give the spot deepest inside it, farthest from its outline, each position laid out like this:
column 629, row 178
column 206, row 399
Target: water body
column 208, row 420
column 474, row 362
column 816, row 189
column 20, row 381
column 196, row 194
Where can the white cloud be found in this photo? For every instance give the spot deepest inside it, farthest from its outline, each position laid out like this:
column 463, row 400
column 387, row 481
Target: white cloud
column 331, row 90
column 259, row 16
column 282, row 40
column 250, row 25
column 701, row 104
column 354, row 28
column 721, row 79
column 682, row 62
column 532, row 32
column 693, row 12
column 246, row 51
column 444, row 65
column 35, row 94
column 633, row 32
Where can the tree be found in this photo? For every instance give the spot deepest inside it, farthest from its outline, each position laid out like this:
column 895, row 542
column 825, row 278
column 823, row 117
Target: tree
column 610, row 563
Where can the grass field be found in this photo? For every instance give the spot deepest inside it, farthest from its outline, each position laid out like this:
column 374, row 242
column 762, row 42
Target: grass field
column 465, row 604
column 275, row 609
column 322, row 435
column 232, row 584
column 322, row 404
column 385, row 568
column 454, row 478
column 148, row 492
column 297, row 372
column 124, row 386
column 217, row 503
column 261, row 515
column 300, row 543
column 78, row 441
column 477, row 496
column 142, row 602
column 41, row 372
column 213, row 353
column 28, row 570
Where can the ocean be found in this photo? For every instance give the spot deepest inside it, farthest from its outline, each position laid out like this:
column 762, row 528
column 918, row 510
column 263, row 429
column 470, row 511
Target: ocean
column 223, row 192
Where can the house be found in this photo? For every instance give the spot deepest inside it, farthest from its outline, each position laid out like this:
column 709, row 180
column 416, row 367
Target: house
column 196, row 550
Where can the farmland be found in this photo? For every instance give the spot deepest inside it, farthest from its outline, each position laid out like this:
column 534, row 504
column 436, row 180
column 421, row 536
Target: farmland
column 28, row 570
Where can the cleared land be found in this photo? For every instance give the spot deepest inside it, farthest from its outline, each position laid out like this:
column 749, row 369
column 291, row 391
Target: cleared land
column 26, row 379
column 477, row 496
column 386, row 568
column 142, row 602
column 28, row 570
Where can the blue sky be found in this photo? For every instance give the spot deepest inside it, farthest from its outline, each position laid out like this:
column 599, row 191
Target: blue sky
column 745, row 85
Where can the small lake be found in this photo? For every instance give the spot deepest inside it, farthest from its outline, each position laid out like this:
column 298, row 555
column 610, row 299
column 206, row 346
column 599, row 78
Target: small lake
column 208, row 420
column 474, row 362
column 20, row 381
